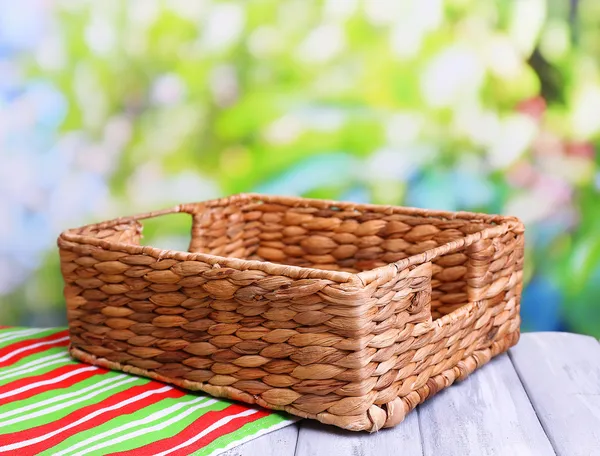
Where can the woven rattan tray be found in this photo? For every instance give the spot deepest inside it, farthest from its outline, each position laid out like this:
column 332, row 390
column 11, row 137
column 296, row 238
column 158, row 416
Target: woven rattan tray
column 351, row 314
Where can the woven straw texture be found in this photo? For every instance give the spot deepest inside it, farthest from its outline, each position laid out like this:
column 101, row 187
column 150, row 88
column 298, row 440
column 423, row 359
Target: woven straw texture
column 350, row 314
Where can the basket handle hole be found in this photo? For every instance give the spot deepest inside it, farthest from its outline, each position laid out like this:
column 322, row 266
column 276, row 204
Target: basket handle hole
column 168, row 232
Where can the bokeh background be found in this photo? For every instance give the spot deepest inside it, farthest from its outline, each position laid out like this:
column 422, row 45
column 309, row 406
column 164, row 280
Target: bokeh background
column 111, row 108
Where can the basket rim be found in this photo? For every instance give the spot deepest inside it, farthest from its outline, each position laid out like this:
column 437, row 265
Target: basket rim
column 500, row 225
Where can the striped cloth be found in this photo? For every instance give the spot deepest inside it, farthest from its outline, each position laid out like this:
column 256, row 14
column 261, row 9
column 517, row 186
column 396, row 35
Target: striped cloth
column 51, row 404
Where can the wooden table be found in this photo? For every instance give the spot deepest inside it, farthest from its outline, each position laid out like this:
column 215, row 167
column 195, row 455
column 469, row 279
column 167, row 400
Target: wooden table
column 542, row 398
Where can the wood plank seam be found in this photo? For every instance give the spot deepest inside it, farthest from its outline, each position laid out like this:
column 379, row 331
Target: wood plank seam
column 298, row 425
column 533, row 406
column 421, row 438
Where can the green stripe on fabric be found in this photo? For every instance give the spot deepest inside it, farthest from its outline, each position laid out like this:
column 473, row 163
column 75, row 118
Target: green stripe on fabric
column 15, row 328
column 131, row 419
column 7, row 331
column 51, row 394
column 64, row 411
column 21, row 338
column 39, row 369
column 245, row 431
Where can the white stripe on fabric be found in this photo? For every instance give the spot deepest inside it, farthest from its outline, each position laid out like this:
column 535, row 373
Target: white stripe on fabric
column 11, row 335
column 149, row 419
column 7, row 332
column 57, row 398
column 35, row 362
column 260, row 433
column 46, row 382
column 31, row 347
column 60, row 358
column 209, row 429
column 41, row 438
column 64, row 405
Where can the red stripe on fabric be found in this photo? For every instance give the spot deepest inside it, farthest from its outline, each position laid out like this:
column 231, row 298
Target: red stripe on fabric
column 194, row 428
column 198, row 425
column 34, row 340
column 65, row 383
column 227, row 428
column 93, row 422
column 33, row 351
column 30, row 342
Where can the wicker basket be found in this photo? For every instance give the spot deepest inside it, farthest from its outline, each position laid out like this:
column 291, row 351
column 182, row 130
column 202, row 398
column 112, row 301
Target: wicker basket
column 351, row 314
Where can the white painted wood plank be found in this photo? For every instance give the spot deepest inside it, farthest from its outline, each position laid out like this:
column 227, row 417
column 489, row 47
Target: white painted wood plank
column 316, row 439
column 489, row 413
column 281, row 442
column 561, row 374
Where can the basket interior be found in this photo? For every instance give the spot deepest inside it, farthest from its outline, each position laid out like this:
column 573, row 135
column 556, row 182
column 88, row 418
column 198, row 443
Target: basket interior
column 346, row 238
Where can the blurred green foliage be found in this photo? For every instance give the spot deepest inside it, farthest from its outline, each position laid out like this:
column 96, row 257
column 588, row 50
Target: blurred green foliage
column 457, row 104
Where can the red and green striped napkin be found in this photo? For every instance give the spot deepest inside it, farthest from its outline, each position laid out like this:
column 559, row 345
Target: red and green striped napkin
column 51, row 404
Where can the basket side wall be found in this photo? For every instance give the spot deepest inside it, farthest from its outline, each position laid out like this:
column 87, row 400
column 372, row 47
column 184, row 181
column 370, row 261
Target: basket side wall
column 470, row 336
column 313, row 347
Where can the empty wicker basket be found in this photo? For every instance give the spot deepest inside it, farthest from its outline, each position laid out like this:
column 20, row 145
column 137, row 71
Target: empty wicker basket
column 351, row 314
